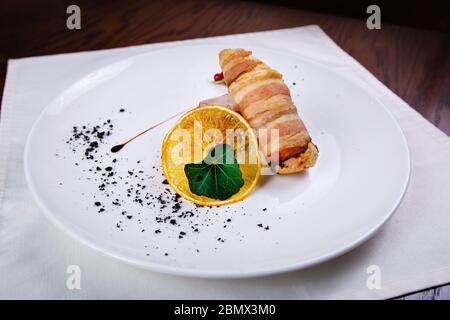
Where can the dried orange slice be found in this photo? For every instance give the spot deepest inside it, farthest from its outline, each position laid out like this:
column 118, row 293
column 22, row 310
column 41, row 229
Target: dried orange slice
column 193, row 137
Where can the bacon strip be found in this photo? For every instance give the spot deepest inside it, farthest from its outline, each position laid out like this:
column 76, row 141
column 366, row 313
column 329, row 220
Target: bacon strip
column 237, row 70
column 263, row 93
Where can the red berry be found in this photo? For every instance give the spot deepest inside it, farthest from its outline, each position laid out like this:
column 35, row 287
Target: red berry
column 218, row 76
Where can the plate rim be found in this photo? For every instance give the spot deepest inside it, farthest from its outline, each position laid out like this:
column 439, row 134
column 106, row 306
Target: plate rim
column 209, row 273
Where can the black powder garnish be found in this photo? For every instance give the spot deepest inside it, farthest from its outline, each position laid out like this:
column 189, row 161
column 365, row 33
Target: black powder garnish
column 134, row 189
column 176, row 207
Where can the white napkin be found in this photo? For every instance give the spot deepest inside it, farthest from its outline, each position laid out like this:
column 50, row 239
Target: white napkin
column 411, row 250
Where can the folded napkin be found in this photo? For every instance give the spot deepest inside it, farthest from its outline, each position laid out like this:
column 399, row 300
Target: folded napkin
column 411, row 252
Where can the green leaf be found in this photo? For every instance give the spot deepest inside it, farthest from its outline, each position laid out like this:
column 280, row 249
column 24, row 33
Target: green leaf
column 218, row 176
column 218, row 82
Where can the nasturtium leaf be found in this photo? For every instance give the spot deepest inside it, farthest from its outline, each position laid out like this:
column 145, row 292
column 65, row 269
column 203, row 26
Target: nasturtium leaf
column 218, row 176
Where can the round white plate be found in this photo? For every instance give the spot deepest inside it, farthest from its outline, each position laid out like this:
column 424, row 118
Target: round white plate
column 287, row 223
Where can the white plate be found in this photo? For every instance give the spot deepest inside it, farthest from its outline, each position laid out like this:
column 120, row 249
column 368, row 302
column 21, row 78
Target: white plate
column 359, row 179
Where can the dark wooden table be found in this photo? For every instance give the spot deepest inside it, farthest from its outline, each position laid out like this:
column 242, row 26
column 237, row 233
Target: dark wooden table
column 414, row 63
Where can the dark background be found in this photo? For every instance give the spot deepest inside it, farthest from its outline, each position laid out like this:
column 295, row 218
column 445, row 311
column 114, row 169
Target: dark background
column 432, row 14
column 410, row 54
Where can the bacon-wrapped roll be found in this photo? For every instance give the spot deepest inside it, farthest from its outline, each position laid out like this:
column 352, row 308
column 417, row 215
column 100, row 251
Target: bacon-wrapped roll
column 265, row 102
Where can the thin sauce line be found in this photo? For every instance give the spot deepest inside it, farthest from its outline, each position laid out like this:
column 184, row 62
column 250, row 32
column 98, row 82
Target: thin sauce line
column 119, row 147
